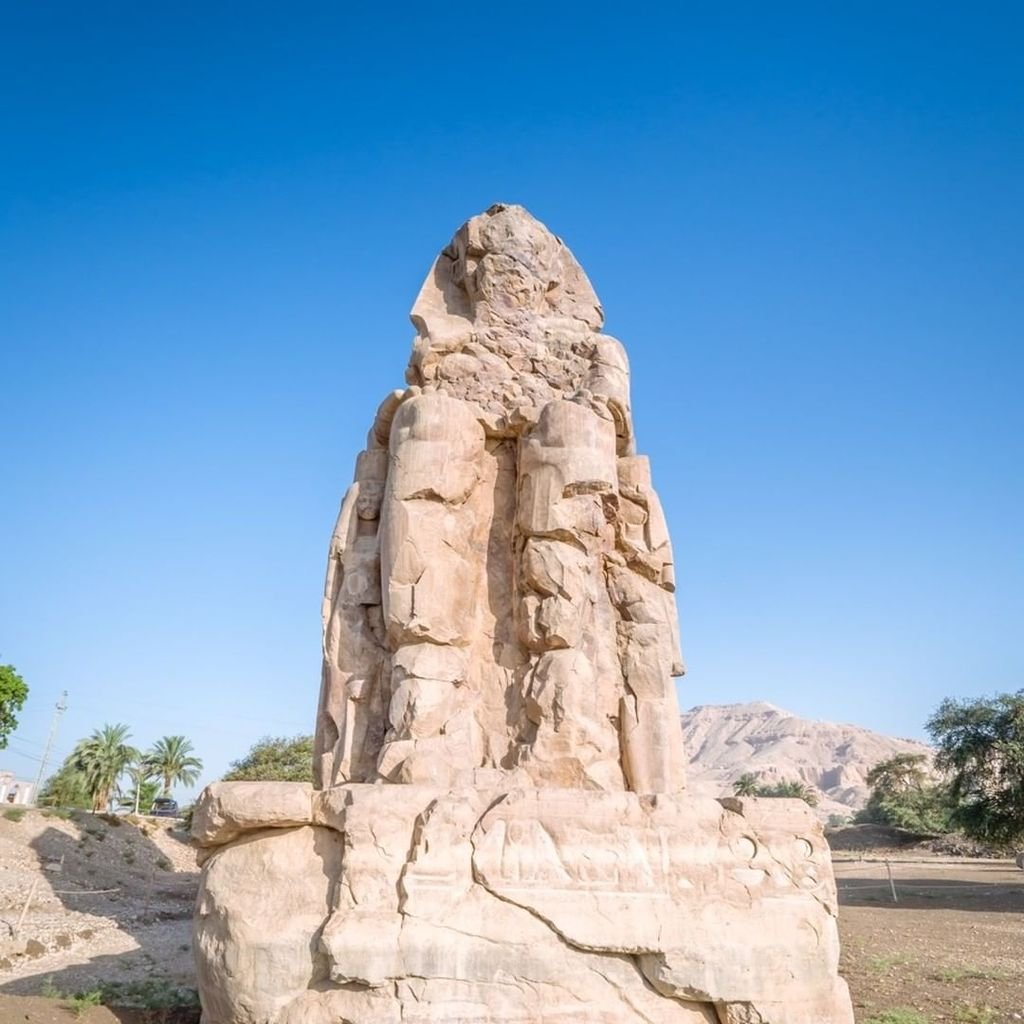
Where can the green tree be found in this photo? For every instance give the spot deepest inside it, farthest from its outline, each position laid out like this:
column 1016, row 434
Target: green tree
column 926, row 810
column 275, row 759
column 981, row 747
column 102, row 760
column 65, row 788
column 746, row 785
column 13, row 693
column 903, row 773
column 904, row 795
column 171, row 759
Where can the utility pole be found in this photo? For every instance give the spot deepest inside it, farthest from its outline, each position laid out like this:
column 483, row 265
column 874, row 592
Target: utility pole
column 59, row 709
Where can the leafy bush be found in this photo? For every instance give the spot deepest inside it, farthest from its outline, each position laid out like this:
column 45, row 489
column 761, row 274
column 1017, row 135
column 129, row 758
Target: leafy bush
column 151, row 994
column 82, row 1002
column 14, row 813
column 142, row 791
column 57, row 812
column 275, row 759
column 928, row 811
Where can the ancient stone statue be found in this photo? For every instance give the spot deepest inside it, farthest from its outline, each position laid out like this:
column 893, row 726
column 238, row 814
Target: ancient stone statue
column 520, row 615
column 498, row 829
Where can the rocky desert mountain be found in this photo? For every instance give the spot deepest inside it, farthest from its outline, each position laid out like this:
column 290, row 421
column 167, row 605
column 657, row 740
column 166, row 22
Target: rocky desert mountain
column 723, row 741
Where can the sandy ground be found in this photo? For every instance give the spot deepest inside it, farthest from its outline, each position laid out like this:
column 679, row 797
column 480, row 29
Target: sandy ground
column 119, row 910
column 87, row 901
column 951, row 947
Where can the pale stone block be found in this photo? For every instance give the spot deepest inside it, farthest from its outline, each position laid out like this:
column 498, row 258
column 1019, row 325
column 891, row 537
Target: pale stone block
column 225, row 810
column 262, row 904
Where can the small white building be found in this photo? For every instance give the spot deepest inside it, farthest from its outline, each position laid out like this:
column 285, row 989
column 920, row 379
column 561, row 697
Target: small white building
column 14, row 790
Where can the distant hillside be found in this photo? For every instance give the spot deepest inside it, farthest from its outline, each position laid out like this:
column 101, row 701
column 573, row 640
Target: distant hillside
column 724, row 741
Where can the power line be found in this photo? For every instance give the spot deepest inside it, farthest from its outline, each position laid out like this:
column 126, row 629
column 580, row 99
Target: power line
column 162, row 707
column 30, row 756
column 25, row 739
column 58, row 709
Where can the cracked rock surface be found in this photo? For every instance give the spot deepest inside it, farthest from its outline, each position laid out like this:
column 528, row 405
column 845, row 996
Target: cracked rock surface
column 550, row 905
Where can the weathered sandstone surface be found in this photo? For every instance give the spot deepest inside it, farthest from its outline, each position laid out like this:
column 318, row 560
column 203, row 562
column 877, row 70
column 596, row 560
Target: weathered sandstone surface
column 498, row 828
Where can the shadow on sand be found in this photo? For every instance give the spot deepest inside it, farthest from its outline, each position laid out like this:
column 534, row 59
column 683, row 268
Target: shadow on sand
column 109, row 919
column 995, row 895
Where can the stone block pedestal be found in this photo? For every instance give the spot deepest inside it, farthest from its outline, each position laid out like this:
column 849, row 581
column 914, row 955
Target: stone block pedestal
column 534, row 906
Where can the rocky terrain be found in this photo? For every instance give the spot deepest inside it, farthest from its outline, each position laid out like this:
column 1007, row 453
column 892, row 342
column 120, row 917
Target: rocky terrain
column 724, row 741
column 94, row 900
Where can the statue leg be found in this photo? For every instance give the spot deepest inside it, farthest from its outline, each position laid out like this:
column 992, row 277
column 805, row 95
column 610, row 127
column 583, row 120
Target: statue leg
column 431, row 557
column 567, row 497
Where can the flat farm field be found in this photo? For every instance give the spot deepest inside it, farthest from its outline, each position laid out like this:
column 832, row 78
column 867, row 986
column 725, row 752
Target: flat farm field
column 949, row 949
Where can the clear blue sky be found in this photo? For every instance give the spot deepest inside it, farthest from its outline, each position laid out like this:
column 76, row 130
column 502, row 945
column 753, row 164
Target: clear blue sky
column 804, row 221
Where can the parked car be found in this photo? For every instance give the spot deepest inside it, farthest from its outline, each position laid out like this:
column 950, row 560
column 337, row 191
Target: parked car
column 164, row 807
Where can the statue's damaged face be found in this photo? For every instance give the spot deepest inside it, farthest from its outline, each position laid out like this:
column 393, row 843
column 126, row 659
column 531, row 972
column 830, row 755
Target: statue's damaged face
column 371, row 494
column 507, row 265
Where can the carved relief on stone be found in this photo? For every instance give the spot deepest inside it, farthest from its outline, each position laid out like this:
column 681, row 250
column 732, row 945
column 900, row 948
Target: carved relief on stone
column 354, row 693
column 399, row 902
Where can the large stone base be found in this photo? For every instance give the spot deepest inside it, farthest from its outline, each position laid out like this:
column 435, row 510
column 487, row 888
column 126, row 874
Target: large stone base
column 403, row 904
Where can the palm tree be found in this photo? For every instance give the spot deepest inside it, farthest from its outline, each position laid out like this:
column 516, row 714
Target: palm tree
column 746, row 785
column 799, row 790
column 171, row 759
column 141, row 773
column 795, row 789
column 102, row 758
